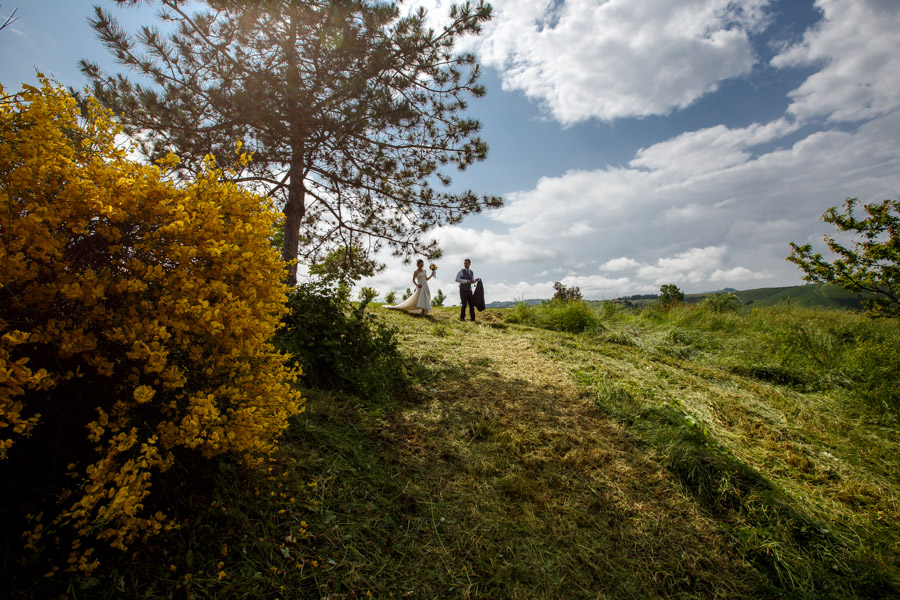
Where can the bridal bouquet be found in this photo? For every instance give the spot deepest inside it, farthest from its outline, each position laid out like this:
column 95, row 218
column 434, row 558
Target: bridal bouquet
column 433, row 267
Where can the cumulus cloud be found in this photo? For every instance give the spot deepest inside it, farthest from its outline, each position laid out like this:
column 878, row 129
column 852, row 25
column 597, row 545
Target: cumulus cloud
column 593, row 287
column 459, row 243
column 620, row 58
column 622, row 263
column 735, row 274
column 708, row 150
column 857, row 42
column 695, row 265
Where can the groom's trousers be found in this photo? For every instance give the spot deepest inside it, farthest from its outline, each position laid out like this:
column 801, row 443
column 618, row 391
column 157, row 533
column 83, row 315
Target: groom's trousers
column 466, row 299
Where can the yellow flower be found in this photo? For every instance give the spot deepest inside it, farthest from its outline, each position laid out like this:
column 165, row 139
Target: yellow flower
column 144, row 394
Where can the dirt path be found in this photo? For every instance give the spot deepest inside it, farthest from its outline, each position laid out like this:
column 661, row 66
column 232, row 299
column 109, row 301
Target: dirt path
column 554, row 500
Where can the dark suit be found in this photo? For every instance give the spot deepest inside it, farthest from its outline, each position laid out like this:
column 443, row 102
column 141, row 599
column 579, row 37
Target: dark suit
column 465, row 294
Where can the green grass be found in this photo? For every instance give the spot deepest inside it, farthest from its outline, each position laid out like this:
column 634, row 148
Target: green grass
column 654, row 454
column 575, row 316
column 782, row 422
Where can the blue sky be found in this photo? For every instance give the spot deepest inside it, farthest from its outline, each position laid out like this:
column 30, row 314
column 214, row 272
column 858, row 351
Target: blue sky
column 637, row 142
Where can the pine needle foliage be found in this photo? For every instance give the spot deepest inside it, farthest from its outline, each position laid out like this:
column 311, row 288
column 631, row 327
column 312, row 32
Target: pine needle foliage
column 352, row 111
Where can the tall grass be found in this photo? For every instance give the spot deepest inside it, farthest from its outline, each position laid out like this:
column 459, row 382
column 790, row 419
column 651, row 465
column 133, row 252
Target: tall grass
column 808, row 348
column 574, row 316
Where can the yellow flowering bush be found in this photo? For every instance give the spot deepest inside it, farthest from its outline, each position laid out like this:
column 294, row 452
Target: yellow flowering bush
column 136, row 318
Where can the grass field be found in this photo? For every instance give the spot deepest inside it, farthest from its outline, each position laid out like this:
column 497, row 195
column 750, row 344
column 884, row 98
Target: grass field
column 678, row 454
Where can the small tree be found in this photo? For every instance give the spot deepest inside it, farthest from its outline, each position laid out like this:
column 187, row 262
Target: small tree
column 390, row 297
column 438, row 299
column 871, row 265
column 366, row 295
column 721, row 303
column 566, row 294
column 407, row 293
column 670, row 295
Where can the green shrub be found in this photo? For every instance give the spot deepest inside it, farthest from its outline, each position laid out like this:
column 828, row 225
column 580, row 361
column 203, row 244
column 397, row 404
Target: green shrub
column 610, row 309
column 340, row 346
column 727, row 302
column 670, row 295
column 522, row 313
column 367, row 294
column 573, row 316
column 439, row 298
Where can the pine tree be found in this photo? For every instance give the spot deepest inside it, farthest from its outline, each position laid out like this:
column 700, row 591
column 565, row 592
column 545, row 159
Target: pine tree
column 351, row 111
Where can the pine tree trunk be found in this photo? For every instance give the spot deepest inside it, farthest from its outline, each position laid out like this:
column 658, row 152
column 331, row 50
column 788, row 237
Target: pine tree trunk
column 294, row 211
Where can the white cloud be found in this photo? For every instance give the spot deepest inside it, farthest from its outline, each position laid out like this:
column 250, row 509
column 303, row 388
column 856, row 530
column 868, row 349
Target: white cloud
column 709, row 150
column 620, row 264
column 592, row 287
column 691, row 266
column 858, row 43
column 620, row 58
column 735, row 274
column 459, row 243
column 579, row 229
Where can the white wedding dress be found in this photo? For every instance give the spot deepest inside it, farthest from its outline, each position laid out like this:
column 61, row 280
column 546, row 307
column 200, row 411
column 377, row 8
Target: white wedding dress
column 420, row 301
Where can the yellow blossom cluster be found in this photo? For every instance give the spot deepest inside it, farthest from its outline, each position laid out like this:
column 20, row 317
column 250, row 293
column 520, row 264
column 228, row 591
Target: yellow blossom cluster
column 155, row 298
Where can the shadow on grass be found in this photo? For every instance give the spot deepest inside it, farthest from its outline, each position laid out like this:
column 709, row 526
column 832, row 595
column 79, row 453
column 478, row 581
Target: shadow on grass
column 487, row 483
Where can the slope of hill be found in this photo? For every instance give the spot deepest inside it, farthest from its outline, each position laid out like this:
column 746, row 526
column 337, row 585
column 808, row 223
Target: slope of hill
column 812, row 295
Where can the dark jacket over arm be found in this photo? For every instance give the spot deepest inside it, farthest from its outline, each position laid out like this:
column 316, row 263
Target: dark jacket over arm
column 478, row 296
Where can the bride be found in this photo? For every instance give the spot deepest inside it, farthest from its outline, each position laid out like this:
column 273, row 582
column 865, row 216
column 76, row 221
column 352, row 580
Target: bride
column 420, row 302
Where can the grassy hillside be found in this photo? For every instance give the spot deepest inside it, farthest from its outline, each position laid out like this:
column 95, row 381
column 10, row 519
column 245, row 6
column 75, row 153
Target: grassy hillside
column 677, row 454
column 757, row 294
column 814, row 295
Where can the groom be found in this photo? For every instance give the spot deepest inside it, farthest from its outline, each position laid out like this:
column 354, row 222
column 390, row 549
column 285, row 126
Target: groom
column 465, row 278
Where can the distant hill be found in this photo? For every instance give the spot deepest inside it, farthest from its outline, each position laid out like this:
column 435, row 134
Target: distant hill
column 758, row 294
column 814, row 294
column 511, row 303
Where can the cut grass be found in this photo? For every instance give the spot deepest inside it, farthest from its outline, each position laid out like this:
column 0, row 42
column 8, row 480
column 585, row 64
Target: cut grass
column 802, row 472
